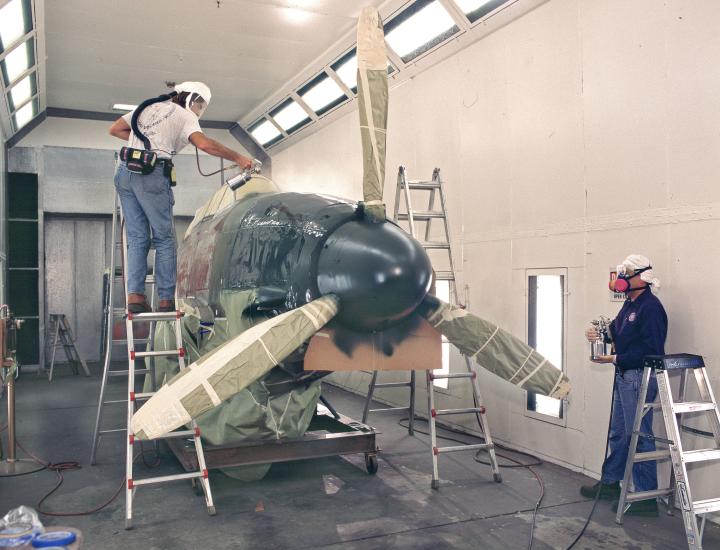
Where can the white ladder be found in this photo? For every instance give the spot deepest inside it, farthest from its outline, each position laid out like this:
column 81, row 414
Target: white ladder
column 131, row 484
column 672, row 411
column 434, row 188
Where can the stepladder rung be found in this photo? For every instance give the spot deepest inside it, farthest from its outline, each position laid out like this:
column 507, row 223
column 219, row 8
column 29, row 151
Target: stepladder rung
column 701, row 455
column 163, row 479
column 156, row 316
column 645, row 495
column 443, row 412
column 458, row 448
column 692, row 406
column 453, row 375
column 706, row 506
column 423, row 185
column 421, row 216
column 435, row 245
column 158, row 353
column 652, row 455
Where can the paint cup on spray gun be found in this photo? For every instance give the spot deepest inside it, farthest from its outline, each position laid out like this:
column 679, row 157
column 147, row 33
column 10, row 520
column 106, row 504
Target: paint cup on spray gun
column 243, row 177
column 598, row 348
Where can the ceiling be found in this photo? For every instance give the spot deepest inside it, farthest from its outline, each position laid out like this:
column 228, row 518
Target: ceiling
column 98, row 53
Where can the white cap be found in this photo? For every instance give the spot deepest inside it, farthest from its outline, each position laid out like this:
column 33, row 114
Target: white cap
column 199, row 96
column 636, row 262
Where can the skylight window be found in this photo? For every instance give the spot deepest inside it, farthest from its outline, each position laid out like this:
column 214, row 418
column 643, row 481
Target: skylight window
column 346, row 69
column 18, row 61
column 25, row 114
column 419, row 28
column 14, row 22
column 22, row 91
column 265, row 133
column 322, row 94
column 475, row 9
column 290, row 116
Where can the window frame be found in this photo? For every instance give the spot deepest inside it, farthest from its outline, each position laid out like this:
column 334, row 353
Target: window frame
column 529, row 396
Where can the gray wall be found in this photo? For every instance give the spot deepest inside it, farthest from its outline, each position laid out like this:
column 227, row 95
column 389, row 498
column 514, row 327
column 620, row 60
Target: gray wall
column 76, row 195
column 3, row 214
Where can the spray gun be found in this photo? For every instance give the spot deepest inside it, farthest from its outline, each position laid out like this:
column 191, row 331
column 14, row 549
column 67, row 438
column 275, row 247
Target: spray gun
column 598, row 348
column 243, row 177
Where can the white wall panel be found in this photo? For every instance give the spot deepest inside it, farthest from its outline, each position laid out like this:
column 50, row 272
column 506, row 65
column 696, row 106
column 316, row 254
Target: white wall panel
column 577, row 134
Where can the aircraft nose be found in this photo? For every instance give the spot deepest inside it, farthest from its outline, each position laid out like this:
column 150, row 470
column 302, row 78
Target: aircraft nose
column 379, row 272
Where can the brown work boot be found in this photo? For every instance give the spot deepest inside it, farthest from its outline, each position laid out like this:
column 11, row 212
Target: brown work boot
column 137, row 303
column 166, row 306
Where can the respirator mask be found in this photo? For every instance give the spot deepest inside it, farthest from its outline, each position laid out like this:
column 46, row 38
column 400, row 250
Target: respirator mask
column 624, row 275
column 198, row 96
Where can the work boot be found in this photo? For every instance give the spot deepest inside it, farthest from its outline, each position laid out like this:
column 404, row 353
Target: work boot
column 137, row 303
column 166, row 306
column 608, row 491
column 645, row 508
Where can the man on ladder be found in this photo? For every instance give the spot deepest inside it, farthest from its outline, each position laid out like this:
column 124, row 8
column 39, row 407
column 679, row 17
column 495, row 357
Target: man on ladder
column 158, row 129
column 638, row 330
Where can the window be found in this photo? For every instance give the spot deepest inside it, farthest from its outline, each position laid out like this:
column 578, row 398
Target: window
column 290, row 116
column 22, row 91
column 15, row 22
column 546, row 329
column 346, row 69
column 265, row 133
column 476, row 9
column 18, row 61
column 25, row 114
column 321, row 94
column 442, row 291
column 419, row 28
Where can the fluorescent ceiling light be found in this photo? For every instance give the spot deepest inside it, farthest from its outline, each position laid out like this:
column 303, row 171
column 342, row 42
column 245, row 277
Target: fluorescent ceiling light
column 419, row 29
column 468, row 6
column 24, row 115
column 124, row 107
column 290, row 115
column 17, row 61
column 265, row 133
column 21, row 92
column 322, row 94
column 12, row 22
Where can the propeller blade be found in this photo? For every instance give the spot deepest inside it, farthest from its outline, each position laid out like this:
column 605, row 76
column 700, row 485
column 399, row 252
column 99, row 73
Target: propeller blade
column 495, row 349
column 373, row 108
column 230, row 368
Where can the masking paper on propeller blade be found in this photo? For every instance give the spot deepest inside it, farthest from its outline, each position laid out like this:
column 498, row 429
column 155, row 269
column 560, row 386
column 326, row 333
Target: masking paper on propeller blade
column 230, row 368
column 373, row 108
column 495, row 349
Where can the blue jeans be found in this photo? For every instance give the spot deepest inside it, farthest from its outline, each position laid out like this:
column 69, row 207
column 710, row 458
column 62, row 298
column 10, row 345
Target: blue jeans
column 627, row 390
column 147, row 204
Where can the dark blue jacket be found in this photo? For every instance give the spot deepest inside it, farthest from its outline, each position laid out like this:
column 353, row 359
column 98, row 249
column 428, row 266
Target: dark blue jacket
column 638, row 330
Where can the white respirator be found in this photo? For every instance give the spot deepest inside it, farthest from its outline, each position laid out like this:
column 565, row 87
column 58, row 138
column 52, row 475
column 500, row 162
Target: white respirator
column 198, row 96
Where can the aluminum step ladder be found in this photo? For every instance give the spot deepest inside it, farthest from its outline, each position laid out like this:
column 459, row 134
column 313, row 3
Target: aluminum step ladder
column 678, row 365
column 61, row 335
column 199, row 477
column 444, row 272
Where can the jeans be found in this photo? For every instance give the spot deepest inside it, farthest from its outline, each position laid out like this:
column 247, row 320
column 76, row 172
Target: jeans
column 627, row 390
column 147, row 204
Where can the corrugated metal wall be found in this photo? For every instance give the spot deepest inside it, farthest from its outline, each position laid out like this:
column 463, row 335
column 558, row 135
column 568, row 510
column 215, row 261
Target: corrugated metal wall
column 77, row 251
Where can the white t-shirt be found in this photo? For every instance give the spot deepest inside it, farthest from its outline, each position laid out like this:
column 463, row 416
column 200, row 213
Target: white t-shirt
column 168, row 127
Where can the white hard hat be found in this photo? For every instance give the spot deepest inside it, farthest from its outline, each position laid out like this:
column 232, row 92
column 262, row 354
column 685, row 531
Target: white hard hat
column 198, row 98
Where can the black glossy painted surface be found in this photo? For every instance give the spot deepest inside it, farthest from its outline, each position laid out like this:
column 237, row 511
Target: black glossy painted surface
column 379, row 272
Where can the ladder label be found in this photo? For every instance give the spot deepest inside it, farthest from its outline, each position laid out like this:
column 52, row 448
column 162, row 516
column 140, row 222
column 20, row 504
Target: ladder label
column 684, row 500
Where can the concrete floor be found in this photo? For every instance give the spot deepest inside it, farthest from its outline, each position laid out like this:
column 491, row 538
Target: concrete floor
column 324, row 503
